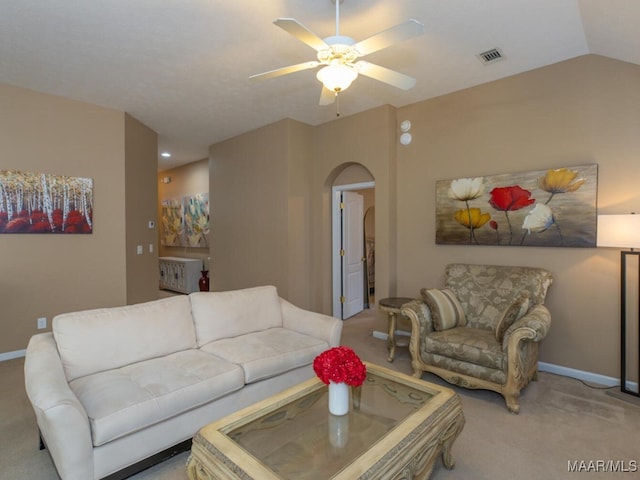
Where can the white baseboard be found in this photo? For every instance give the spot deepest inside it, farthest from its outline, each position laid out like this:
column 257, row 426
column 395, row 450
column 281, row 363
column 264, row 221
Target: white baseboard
column 11, row 355
column 384, row 336
column 585, row 376
column 578, row 374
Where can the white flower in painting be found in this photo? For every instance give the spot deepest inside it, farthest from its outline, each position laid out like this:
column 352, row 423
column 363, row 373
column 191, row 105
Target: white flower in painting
column 466, row 188
column 539, row 219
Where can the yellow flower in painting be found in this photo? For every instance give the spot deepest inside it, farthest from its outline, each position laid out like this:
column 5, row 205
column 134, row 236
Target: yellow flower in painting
column 466, row 188
column 561, row 180
column 472, row 218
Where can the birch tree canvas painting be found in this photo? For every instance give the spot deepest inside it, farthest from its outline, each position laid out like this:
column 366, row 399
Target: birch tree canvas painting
column 548, row 208
column 44, row 203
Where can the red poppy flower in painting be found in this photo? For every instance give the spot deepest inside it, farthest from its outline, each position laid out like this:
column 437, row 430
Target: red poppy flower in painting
column 510, row 198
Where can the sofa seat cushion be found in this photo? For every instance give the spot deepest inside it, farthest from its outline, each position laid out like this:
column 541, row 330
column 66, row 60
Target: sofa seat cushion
column 124, row 400
column 467, row 344
column 471, row 369
column 268, row 353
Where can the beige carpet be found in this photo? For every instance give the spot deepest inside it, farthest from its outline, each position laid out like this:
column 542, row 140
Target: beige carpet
column 561, row 421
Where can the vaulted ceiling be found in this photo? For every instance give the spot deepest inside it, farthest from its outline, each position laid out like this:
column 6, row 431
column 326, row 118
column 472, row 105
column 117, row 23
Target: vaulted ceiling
column 181, row 66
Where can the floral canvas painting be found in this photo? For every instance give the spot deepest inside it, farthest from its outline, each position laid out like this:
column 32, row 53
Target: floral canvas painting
column 547, row 208
column 185, row 221
column 44, row 203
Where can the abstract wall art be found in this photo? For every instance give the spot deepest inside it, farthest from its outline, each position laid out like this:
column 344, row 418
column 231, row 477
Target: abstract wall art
column 185, row 221
column 45, row 203
column 546, row 208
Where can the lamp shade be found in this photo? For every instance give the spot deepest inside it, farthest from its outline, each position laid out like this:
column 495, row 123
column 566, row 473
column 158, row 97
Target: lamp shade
column 621, row 231
column 337, row 77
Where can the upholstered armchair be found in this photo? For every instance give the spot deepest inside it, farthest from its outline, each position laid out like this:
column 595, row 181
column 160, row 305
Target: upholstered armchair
column 482, row 330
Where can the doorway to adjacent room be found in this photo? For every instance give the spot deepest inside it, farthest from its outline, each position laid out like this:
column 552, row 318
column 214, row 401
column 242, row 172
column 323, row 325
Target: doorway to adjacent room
column 353, row 248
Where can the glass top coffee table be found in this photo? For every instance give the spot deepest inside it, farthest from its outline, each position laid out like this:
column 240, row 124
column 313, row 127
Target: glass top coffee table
column 396, row 423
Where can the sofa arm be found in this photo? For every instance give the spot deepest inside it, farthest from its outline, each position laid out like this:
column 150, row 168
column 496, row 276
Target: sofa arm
column 533, row 327
column 61, row 418
column 311, row 323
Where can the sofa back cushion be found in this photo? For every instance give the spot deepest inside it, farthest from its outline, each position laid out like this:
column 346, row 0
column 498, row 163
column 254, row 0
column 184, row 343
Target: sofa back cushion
column 486, row 292
column 93, row 341
column 220, row 315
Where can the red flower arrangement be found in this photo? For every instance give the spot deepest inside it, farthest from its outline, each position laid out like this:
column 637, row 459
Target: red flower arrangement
column 340, row 365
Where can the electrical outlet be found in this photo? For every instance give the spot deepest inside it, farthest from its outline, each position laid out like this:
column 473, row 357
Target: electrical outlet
column 139, row 249
column 42, row 323
column 151, row 248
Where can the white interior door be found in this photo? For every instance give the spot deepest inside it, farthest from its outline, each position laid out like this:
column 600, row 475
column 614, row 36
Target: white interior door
column 352, row 253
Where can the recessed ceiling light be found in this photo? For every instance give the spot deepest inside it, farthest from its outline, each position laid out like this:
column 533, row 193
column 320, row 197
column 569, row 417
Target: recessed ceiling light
column 165, row 154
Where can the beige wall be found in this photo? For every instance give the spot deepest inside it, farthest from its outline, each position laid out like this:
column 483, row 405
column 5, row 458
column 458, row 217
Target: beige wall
column 577, row 112
column 270, row 199
column 367, row 139
column 582, row 111
column 300, row 238
column 189, row 179
column 249, row 197
column 43, row 275
column 141, row 166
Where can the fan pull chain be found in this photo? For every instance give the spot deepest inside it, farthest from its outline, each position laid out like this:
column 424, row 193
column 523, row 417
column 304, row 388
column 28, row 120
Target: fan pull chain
column 337, row 103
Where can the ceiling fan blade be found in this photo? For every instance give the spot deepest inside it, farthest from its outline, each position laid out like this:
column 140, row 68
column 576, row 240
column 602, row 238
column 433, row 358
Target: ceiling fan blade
column 403, row 31
column 301, row 32
column 327, row 97
column 278, row 72
column 382, row 74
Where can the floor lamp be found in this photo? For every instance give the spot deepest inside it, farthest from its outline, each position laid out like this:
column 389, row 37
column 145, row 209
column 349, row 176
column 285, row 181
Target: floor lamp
column 623, row 231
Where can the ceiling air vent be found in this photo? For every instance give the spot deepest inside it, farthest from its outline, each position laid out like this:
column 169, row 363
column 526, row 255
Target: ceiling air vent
column 490, row 56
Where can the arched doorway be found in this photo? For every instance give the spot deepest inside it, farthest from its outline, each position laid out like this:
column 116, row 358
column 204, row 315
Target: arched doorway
column 353, row 241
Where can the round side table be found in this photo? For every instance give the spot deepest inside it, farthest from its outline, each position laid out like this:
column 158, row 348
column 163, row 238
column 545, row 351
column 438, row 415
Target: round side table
column 391, row 306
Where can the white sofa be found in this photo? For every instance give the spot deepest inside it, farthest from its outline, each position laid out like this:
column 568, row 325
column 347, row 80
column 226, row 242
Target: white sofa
column 114, row 386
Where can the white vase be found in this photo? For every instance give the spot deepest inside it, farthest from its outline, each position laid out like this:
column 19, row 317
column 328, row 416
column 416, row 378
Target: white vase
column 338, row 398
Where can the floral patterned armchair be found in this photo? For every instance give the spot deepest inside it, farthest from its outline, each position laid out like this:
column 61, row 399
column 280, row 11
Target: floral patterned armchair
column 482, row 329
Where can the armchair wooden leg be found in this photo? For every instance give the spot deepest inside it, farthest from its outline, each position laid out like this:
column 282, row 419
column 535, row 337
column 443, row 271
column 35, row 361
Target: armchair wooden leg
column 513, row 405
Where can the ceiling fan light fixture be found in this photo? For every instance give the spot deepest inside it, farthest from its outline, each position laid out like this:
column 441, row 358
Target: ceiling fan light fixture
column 337, row 77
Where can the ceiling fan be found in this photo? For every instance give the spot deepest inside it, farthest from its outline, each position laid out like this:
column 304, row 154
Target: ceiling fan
column 339, row 55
